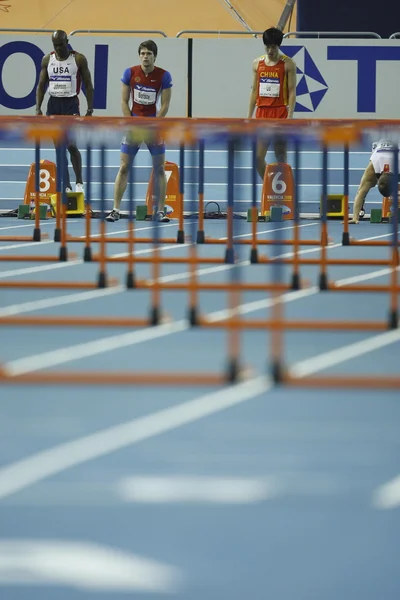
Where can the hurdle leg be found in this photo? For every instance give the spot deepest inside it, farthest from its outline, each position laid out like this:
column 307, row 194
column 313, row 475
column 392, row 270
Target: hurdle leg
column 393, row 314
column 63, row 246
column 296, row 231
column 323, row 279
column 87, row 253
column 254, row 211
column 346, row 236
column 230, row 253
column 102, row 277
column 200, row 238
column 36, row 231
column 130, row 277
column 59, row 179
column 181, row 232
column 234, row 333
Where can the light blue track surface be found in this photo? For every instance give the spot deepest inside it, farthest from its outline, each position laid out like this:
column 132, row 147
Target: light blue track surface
column 318, row 527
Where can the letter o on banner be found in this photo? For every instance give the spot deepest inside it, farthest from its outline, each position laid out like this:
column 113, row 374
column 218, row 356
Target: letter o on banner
column 36, row 55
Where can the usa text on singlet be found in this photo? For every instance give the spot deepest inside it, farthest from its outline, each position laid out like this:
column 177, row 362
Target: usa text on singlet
column 64, row 76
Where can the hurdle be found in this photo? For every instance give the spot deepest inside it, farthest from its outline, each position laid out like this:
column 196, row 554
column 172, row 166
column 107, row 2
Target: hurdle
column 233, row 369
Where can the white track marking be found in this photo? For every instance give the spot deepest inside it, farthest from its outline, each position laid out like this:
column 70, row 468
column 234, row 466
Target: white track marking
column 15, row 309
column 23, row 307
column 387, row 496
column 37, row 467
column 84, row 567
column 174, row 489
column 53, row 358
column 87, row 349
column 23, row 226
column 72, row 298
column 328, row 359
column 26, row 245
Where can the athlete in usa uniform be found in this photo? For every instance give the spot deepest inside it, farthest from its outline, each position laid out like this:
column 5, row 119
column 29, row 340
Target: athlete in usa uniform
column 63, row 71
column 382, row 154
column 273, row 92
column 146, row 92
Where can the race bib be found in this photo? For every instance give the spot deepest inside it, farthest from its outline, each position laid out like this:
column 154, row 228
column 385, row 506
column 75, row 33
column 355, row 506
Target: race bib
column 383, row 146
column 60, row 86
column 269, row 88
column 144, row 95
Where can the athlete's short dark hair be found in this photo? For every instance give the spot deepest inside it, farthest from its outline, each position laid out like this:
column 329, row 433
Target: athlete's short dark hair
column 272, row 37
column 149, row 45
column 385, row 184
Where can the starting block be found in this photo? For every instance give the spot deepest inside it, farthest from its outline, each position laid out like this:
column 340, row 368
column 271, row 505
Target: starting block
column 47, row 182
column 75, row 204
column 173, row 208
column 278, row 189
column 24, row 212
column 376, row 215
column 141, row 212
column 276, row 214
column 335, row 207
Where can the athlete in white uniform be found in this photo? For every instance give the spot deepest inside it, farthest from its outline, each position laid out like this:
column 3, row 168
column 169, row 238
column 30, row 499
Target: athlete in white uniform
column 382, row 154
column 63, row 71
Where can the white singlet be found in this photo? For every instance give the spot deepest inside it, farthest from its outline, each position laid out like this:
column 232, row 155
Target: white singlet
column 382, row 155
column 64, row 76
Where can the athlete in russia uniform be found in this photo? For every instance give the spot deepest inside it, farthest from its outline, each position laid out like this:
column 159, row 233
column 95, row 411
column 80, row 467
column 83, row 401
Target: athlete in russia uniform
column 63, row 72
column 273, row 92
column 146, row 92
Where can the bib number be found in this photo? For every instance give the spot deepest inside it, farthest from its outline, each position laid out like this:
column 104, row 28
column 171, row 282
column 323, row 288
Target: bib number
column 60, row 87
column 144, row 96
column 269, row 89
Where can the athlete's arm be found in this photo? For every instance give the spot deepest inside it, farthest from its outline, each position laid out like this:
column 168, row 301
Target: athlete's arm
column 253, row 92
column 87, row 80
column 290, row 67
column 43, row 81
column 125, row 95
column 165, row 100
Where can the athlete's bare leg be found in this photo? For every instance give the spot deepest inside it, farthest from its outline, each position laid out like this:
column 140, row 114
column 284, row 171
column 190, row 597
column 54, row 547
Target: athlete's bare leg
column 368, row 181
column 76, row 160
column 160, row 182
column 121, row 179
column 261, row 151
column 280, row 149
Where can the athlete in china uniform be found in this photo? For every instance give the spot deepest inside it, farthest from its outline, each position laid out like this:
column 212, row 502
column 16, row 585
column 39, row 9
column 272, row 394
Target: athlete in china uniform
column 63, row 71
column 146, row 92
column 273, row 92
column 382, row 155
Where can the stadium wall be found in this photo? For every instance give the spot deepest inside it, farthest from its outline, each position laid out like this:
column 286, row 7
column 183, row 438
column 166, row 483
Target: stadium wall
column 335, row 79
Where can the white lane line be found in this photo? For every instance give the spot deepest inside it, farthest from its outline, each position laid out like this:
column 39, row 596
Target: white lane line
column 387, row 496
column 24, row 307
column 174, row 489
column 61, row 356
column 344, row 353
column 53, row 358
column 37, row 467
column 26, row 245
column 83, row 237
column 15, row 309
column 23, row 226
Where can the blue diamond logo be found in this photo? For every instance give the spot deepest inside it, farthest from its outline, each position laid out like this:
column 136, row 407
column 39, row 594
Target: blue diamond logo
column 311, row 86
